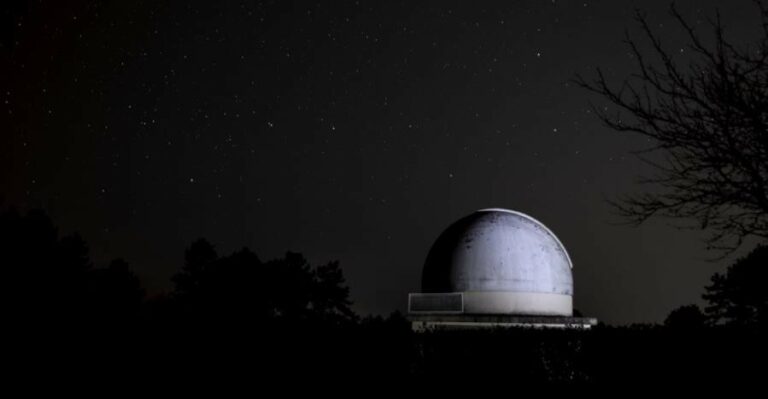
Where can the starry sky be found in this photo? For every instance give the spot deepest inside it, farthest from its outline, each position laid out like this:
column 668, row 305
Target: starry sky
column 346, row 130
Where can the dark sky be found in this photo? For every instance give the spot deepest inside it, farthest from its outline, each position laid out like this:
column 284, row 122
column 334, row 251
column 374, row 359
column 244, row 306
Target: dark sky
column 344, row 130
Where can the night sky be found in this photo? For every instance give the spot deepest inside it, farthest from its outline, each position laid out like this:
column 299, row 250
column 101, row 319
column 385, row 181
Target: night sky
column 344, row 130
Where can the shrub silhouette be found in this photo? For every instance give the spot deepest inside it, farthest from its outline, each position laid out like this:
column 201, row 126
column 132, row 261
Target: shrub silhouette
column 686, row 317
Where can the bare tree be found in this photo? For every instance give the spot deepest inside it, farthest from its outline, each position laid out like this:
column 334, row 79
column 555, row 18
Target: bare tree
column 708, row 121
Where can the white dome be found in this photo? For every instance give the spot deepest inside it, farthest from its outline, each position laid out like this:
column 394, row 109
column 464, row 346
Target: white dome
column 504, row 262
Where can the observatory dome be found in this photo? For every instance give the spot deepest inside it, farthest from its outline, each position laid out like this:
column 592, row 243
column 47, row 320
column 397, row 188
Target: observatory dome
column 503, row 262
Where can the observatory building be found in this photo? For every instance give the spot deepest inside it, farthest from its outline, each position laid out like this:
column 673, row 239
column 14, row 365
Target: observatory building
column 496, row 268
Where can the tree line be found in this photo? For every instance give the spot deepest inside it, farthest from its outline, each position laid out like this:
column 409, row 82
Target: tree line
column 236, row 316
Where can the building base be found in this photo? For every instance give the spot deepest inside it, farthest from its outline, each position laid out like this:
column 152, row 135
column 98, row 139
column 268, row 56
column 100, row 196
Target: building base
column 427, row 322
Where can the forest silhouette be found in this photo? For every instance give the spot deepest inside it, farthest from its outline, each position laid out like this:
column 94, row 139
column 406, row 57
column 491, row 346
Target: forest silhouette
column 238, row 318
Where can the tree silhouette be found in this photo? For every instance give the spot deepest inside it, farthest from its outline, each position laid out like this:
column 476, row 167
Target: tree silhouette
column 51, row 279
column 198, row 258
column 241, row 288
column 114, row 293
column 708, row 121
column 739, row 297
column 330, row 297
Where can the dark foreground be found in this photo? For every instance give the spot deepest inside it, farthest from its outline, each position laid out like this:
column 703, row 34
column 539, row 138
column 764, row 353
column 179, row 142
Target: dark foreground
column 192, row 356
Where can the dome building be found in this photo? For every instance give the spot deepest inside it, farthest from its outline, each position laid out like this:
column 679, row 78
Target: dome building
column 496, row 267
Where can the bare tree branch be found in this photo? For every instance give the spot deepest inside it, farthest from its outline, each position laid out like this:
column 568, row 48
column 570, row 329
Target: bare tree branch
column 708, row 121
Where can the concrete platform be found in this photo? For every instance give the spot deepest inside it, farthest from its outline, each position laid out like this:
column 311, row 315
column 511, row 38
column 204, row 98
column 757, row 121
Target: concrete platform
column 423, row 322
